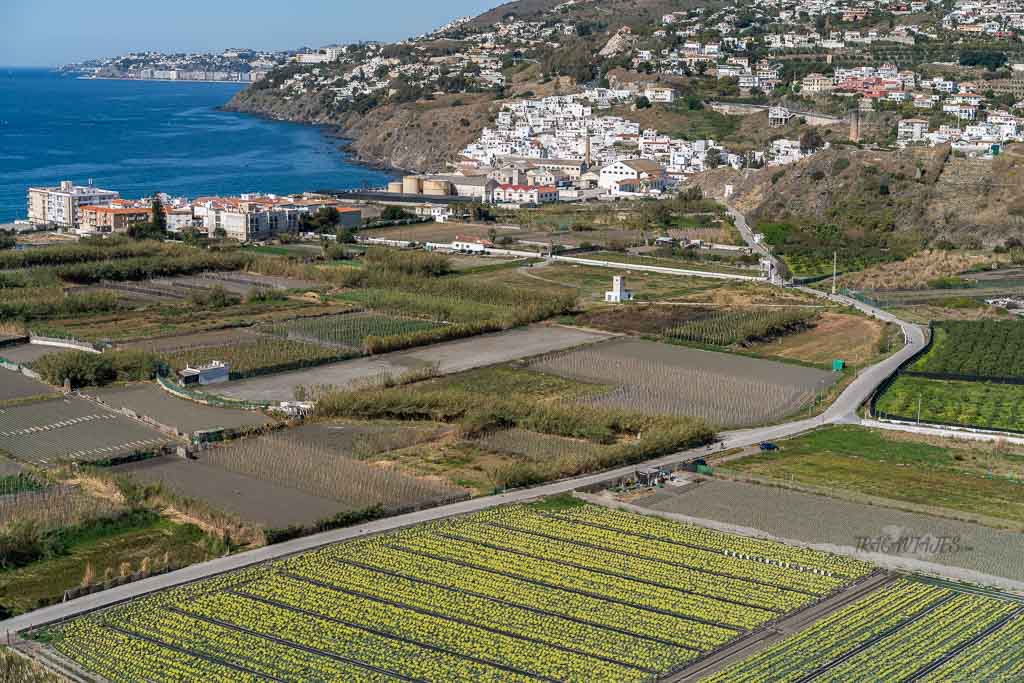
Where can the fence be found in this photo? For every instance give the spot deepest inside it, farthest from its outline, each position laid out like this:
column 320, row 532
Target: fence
column 210, row 400
column 884, row 386
column 56, row 342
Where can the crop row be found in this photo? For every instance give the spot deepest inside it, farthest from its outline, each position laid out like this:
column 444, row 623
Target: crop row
column 515, row 594
column 658, row 627
column 683, row 549
column 641, row 385
column 976, row 348
column 725, row 328
column 626, row 523
column 348, row 330
column 997, row 657
column 898, row 656
column 767, row 599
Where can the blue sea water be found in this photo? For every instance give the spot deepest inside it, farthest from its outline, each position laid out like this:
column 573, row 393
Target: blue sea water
column 143, row 137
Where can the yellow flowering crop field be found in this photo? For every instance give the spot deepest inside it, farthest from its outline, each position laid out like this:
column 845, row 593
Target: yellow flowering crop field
column 522, row 593
column 909, row 631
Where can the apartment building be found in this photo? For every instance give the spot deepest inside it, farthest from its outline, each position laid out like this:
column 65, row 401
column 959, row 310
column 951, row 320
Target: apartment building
column 60, row 207
column 111, row 219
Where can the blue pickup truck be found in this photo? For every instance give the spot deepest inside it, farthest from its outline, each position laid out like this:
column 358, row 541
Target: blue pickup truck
column 768, row 446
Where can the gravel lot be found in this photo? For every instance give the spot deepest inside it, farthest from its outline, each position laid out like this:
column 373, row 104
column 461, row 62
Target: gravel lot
column 185, row 416
column 450, row 357
column 14, row 385
column 823, row 521
column 260, row 502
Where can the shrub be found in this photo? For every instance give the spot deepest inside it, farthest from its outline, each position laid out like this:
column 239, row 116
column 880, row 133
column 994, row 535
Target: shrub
column 83, row 369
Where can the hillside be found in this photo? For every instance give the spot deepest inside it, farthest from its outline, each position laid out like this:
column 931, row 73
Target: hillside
column 882, row 204
column 414, row 136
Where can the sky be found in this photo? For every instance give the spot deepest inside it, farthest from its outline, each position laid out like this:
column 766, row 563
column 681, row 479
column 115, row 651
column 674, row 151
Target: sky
column 54, row 32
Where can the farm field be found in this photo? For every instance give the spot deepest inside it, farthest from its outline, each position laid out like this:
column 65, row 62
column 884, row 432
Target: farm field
column 726, row 390
column 969, row 404
column 15, row 386
column 592, row 282
column 970, row 478
column 552, row 592
column 268, row 504
column 907, row 631
column 353, row 484
column 73, row 429
column 187, row 417
column 349, row 331
column 153, row 540
column 365, row 440
column 152, row 322
column 260, row 356
column 725, row 265
column 840, row 524
column 199, row 340
column 438, row 232
column 832, row 336
column 447, row 357
column 975, row 350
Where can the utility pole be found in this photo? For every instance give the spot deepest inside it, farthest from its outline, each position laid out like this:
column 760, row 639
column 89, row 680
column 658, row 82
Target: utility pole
column 919, row 409
column 835, row 270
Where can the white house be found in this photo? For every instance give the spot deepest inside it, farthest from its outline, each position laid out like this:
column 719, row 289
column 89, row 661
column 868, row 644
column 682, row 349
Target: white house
column 631, row 169
column 912, row 130
column 619, row 293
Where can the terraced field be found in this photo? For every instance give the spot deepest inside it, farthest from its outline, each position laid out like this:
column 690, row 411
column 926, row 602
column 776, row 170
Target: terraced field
column 547, row 593
column 909, row 631
column 72, row 429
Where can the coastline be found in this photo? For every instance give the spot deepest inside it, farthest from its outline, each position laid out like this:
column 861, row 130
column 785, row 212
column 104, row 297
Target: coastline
column 157, row 80
column 333, row 132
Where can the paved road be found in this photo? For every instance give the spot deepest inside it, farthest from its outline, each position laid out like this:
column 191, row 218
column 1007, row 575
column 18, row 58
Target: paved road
column 844, row 410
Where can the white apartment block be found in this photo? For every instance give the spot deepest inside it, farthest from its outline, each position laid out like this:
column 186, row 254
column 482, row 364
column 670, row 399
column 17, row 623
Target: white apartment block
column 59, row 207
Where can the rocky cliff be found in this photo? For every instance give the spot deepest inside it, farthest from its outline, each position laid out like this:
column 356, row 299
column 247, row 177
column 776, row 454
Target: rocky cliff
column 423, row 136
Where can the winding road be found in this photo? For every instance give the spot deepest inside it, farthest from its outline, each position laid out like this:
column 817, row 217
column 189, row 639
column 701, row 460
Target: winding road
column 842, row 411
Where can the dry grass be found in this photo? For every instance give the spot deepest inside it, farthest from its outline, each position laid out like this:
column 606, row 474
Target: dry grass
column 915, row 272
column 835, row 335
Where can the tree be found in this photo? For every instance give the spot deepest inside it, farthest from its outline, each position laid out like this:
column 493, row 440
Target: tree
column 394, row 213
column 713, row 158
column 810, row 140
column 643, row 103
column 153, row 229
column 158, row 219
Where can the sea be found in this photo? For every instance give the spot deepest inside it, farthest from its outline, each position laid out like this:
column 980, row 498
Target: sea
column 141, row 137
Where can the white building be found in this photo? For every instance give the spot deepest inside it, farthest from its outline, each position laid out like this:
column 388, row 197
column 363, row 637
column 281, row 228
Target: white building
column 525, row 194
column 59, row 207
column 619, row 294
column 912, row 130
column 631, row 169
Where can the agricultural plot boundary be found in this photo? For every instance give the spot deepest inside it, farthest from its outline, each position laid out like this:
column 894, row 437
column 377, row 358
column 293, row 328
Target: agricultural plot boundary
column 904, row 371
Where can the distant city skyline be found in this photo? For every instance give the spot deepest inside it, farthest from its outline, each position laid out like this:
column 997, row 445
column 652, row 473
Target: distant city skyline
column 53, row 32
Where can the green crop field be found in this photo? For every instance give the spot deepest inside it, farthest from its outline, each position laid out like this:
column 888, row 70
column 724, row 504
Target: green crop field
column 907, row 632
column 558, row 591
column 350, row 331
column 974, row 404
column 725, row 328
column 849, row 461
column 991, row 349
